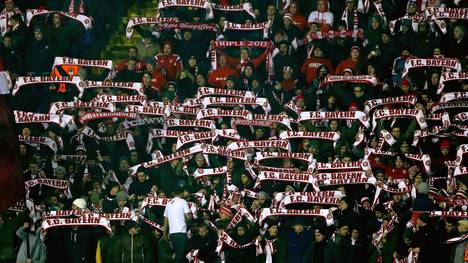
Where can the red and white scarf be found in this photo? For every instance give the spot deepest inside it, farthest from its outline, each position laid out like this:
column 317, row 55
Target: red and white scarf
column 135, row 86
column 451, row 96
column 62, row 120
column 246, row 7
column 161, row 201
column 85, row 220
column 35, row 140
column 121, row 98
column 311, row 36
column 195, row 137
column 215, row 45
column 260, row 144
column 209, row 92
column 254, row 122
column 148, row 110
column 264, row 26
column 334, row 115
column 359, row 165
column 163, row 133
column 450, row 76
column 240, row 214
column 344, row 178
column 69, row 157
column 54, row 183
column 137, row 21
column 97, row 63
column 283, row 119
column 58, row 107
column 81, row 7
column 417, row 114
column 188, row 3
column 451, row 63
column 260, row 156
column 344, row 17
column 221, row 113
column 75, row 80
column 435, row 13
column 224, row 238
column 168, row 158
column 173, row 123
column 321, row 198
column 129, row 124
column 224, row 151
column 90, row 116
column 305, row 178
column 236, row 101
column 372, row 104
column 383, row 231
column 362, row 79
column 364, row 6
column 268, row 212
column 459, row 214
column 5, row 16
column 449, row 105
column 172, row 25
column 82, row 19
column 201, row 173
column 329, row 136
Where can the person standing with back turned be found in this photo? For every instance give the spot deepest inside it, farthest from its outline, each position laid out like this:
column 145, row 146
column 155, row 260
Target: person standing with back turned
column 176, row 216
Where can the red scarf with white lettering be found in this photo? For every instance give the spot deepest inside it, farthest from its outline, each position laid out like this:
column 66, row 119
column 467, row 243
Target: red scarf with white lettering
column 90, row 116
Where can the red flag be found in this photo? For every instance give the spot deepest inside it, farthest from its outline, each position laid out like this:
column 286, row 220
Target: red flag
column 11, row 180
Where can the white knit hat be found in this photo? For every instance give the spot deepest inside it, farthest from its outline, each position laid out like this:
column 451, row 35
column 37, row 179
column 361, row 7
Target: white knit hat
column 80, row 202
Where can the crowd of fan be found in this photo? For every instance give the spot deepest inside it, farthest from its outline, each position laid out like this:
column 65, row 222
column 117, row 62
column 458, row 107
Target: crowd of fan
column 172, row 65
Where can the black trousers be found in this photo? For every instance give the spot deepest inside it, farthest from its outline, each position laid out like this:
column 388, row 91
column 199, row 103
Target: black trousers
column 179, row 243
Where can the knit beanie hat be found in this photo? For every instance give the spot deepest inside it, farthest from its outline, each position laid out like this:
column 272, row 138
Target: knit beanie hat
column 80, row 203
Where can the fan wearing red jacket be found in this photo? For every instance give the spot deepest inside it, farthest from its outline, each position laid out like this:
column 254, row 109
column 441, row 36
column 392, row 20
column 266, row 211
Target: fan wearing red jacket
column 396, row 171
column 351, row 62
column 245, row 59
column 171, row 63
column 132, row 54
column 158, row 80
column 310, row 66
column 218, row 76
